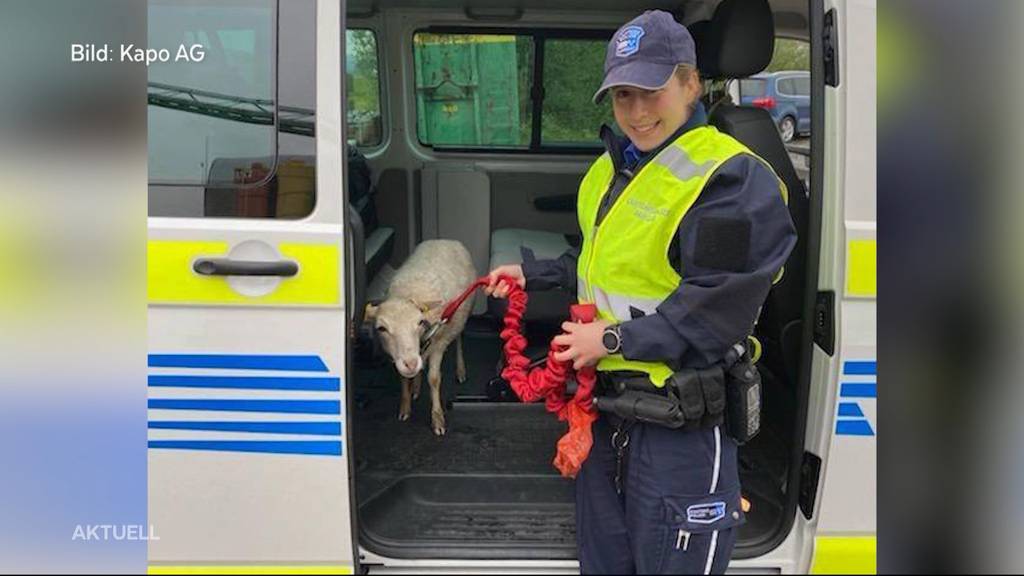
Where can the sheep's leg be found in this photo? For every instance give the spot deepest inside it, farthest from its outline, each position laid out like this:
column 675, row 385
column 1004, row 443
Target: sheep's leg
column 460, row 362
column 416, row 384
column 405, row 407
column 434, row 379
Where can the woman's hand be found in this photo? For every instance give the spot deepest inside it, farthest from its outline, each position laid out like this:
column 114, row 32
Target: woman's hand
column 500, row 289
column 583, row 341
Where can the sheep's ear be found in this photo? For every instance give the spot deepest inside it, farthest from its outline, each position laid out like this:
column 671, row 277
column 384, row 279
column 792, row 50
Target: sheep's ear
column 370, row 313
column 428, row 306
column 432, row 310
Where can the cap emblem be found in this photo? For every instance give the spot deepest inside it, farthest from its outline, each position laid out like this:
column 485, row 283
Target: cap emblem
column 628, row 41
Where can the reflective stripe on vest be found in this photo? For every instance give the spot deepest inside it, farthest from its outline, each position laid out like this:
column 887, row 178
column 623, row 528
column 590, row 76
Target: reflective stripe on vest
column 679, row 164
column 623, row 266
column 619, row 305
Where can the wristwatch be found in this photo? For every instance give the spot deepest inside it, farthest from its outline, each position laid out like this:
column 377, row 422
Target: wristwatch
column 612, row 339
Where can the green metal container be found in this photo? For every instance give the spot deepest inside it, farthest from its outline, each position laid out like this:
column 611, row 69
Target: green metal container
column 467, row 90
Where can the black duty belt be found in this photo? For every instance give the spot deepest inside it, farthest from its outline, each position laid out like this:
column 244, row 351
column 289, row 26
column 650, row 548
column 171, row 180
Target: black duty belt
column 690, row 399
column 617, row 382
column 634, row 398
column 728, row 393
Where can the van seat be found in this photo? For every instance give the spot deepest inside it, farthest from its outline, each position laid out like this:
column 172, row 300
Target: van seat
column 739, row 43
column 371, row 244
column 507, row 246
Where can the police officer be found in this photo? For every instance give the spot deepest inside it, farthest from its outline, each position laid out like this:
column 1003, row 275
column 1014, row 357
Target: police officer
column 684, row 229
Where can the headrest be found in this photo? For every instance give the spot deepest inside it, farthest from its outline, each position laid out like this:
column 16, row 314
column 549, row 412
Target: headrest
column 739, row 41
column 699, row 32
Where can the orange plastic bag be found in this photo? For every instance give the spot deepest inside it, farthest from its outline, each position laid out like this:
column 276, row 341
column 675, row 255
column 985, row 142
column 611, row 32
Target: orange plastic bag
column 574, row 447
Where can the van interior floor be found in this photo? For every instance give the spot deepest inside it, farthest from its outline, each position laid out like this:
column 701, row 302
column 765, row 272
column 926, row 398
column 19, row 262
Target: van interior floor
column 487, row 489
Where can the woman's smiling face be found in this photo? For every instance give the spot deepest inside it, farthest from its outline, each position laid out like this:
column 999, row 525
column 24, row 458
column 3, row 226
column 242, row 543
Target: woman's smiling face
column 649, row 117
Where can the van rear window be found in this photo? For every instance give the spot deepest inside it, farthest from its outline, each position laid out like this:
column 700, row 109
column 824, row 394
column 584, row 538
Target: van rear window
column 803, row 86
column 752, row 87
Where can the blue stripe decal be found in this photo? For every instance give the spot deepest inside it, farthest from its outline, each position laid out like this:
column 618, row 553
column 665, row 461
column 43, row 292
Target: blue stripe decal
column 314, row 447
column 854, row 428
column 238, row 361
column 859, row 390
column 315, row 428
column 248, row 382
column 287, row 406
column 850, row 409
column 863, row 368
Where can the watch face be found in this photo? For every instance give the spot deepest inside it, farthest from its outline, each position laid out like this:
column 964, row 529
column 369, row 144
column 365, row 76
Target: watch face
column 610, row 341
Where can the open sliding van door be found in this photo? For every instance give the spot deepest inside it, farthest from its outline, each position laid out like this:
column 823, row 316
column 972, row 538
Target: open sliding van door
column 249, row 458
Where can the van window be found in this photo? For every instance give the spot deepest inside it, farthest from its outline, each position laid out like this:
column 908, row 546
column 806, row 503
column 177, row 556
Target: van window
column 752, row 87
column 221, row 107
column 362, row 69
column 477, row 90
column 233, row 135
column 573, row 70
column 473, row 90
column 803, row 86
column 795, row 86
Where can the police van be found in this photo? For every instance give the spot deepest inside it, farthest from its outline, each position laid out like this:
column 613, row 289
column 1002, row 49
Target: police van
column 297, row 165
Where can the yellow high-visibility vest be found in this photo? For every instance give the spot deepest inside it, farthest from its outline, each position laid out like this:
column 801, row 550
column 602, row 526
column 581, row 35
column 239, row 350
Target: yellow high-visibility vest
column 624, row 262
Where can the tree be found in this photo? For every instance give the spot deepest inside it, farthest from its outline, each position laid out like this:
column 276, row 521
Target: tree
column 790, row 55
column 573, row 70
column 362, row 74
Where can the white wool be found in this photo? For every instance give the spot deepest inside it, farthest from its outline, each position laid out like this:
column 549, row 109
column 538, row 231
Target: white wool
column 437, row 271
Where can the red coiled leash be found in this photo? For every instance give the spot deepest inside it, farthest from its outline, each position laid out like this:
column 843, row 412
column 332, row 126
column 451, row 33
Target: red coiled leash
column 547, row 383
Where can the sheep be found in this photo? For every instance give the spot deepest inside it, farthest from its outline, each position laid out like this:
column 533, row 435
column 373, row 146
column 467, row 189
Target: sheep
column 436, row 273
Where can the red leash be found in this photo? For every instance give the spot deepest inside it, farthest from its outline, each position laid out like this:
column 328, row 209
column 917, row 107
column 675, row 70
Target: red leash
column 547, row 383
column 454, row 304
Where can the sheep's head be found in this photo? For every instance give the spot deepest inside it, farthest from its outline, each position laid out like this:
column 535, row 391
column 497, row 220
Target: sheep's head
column 400, row 324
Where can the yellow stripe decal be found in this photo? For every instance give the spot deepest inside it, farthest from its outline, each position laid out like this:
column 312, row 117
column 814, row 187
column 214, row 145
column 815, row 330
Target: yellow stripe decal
column 172, row 281
column 861, row 268
column 252, row 569
column 844, row 556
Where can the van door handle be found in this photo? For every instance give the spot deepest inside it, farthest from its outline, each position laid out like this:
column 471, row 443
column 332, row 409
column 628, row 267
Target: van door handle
column 229, row 267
